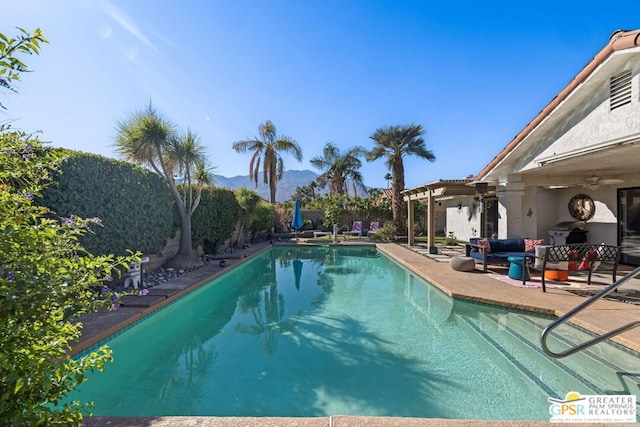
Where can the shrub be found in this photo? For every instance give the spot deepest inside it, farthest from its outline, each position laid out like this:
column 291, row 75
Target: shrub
column 135, row 204
column 215, row 219
column 260, row 221
column 386, row 232
column 46, row 279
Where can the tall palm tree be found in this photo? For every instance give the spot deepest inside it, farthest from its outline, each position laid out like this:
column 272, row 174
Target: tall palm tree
column 394, row 143
column 268, row 151
column 148, row 139
column 388, row 177
column 340, row 169
column 305, row 193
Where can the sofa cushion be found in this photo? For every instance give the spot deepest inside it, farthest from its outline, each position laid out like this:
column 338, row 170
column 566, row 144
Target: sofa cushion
column 507, row 245
column 498, row 257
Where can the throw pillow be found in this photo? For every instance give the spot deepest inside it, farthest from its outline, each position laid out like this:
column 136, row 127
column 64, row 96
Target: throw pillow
column 573, row 257
column 530, row 244
column 484, row 246
column 590, row 256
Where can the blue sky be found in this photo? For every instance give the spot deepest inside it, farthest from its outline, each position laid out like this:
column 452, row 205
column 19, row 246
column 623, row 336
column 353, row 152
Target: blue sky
column 472, row 73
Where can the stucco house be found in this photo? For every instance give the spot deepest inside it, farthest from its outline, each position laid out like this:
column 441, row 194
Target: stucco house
column 576, row 165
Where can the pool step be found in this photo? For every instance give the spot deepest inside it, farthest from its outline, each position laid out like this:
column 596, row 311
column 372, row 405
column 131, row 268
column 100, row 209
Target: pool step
column 607, row 364
column 604, row 369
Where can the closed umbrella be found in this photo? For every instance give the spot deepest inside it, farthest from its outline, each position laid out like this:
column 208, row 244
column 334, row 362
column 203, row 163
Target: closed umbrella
column 296, row 222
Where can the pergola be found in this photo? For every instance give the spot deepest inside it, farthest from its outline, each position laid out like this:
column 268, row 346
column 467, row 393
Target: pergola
column 434, row 192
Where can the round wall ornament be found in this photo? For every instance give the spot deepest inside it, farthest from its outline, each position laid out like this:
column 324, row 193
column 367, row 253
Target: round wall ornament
column 582, row 207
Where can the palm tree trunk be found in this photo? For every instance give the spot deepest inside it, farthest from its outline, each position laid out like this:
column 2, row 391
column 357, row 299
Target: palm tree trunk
column 272, row 189
column 397, row 204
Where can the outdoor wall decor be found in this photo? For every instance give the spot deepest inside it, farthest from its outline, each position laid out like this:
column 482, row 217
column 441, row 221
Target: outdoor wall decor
column 582, row 207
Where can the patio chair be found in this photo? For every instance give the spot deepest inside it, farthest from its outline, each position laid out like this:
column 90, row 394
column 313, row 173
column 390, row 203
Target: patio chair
column 373, row 227
column 317, row 234
column 356, row 229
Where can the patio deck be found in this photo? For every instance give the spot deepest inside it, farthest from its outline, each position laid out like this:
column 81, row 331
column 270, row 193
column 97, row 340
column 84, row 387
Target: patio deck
column 476, row 286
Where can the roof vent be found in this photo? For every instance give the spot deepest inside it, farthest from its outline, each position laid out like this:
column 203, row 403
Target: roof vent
column 620, row 90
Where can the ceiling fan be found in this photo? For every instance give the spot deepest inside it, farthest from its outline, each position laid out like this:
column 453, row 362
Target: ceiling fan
column 594, row 182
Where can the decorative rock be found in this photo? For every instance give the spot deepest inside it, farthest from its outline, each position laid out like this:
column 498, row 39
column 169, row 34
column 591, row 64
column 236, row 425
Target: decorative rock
column 463, row 263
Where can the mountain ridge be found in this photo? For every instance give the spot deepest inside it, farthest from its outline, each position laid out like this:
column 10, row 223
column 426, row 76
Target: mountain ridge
column 286, row 187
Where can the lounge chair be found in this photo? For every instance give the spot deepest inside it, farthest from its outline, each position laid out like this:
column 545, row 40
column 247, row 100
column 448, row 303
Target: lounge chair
column 356, row 229
column 373, row 227
column 317, row 234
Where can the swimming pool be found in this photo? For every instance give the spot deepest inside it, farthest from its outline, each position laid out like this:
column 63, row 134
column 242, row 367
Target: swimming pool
column 315, row 331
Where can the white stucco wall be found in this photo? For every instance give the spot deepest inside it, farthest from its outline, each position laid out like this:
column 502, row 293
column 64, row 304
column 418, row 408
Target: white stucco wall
column 465, row 222
column 553, row 207
column 590, row 121
column 546, row 211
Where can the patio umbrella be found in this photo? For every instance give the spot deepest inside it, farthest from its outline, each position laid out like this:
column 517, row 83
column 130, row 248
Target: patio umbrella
column 297, row 271
column 296, row 222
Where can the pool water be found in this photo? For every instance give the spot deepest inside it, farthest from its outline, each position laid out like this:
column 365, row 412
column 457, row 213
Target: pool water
column 319, row 331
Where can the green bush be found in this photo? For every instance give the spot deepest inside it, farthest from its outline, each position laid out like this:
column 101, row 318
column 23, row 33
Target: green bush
column 134, row 204
column 343, row 211
column 386, row 232
column 46, row 279
column 260, row 221
column 215, row 219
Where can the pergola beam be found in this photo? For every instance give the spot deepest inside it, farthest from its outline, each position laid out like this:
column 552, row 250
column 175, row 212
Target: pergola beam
column 429, row 193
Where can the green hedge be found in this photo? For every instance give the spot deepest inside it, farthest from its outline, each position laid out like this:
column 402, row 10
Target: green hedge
column 261, row 219
column 215, row 219
column 134, row 204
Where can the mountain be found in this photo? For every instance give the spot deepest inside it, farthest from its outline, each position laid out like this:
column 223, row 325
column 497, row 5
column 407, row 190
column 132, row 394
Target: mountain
column 286, row 187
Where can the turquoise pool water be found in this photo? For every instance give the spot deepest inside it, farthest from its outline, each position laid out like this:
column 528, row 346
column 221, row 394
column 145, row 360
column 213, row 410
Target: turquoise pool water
column 325, row 331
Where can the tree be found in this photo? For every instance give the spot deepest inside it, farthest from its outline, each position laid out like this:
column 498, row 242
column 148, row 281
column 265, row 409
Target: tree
column 388, row 177
column 248, row 201
column 394, row 143
column 306, row 193
column 334, row 208
column 268, row 150
column 148, row 139
column 10, row 66
column 340, row 169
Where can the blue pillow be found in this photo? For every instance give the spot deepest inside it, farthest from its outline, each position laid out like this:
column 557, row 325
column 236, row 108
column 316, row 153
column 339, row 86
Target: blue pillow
column 507, row 245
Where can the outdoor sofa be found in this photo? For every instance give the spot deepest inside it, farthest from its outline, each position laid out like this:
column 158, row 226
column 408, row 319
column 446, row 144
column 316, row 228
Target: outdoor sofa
column 499, row 250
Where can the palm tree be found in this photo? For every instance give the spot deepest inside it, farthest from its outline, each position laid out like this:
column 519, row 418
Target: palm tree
column 388, row 177
column 148, row 139
column 394, row 143
column 340, row 169
column 268, row 150
column 305, row 193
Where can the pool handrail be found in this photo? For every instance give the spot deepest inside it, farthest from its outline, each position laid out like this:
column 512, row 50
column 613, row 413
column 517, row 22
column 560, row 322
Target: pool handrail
column 579, row 308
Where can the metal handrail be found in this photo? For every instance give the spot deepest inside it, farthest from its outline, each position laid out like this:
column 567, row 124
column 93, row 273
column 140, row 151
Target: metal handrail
column 576, row 310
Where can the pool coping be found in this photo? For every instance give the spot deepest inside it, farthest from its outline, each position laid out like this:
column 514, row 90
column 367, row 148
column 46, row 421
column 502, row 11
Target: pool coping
column 482, row 288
